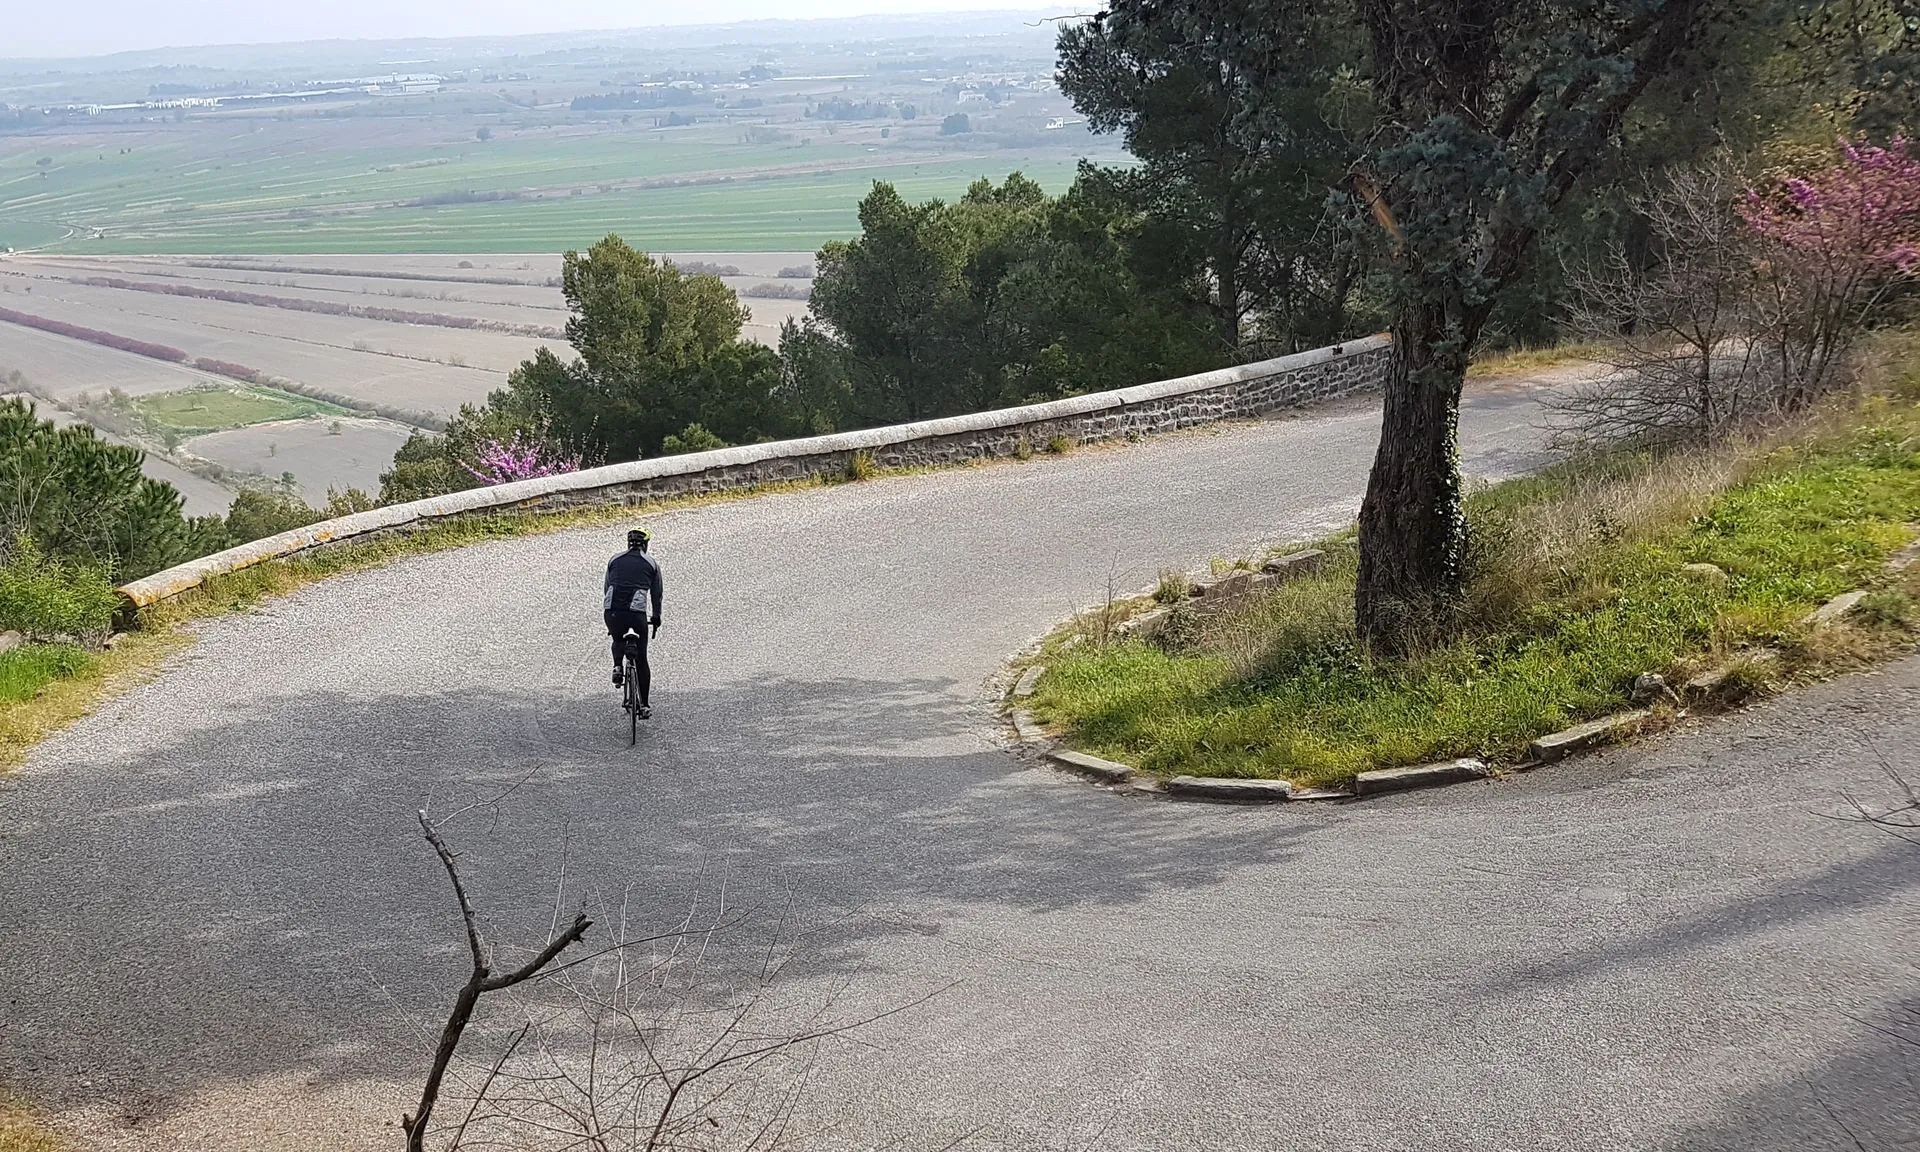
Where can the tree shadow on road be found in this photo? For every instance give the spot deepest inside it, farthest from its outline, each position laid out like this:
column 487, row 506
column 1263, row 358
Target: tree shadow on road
column 1846, row 886
column 1865, row 1096
column 252, row 898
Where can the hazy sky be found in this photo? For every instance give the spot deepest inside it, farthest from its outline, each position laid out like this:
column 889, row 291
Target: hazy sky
column 50, row 28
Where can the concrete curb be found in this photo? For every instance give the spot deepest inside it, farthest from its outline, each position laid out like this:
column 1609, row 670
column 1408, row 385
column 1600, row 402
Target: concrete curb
column 1029, row 680
column 1096, row 416
column 1228, row 790
column 1105, row 771
column 1581, row 737
column 1028, row 729
column 1707, row 682
column 1419, row 776
column 1834, row 609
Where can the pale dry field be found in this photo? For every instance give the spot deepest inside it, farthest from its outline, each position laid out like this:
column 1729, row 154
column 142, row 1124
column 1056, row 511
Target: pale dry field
column 62, row 368
column 251, row 334
column 383, row 364
column 321, row 452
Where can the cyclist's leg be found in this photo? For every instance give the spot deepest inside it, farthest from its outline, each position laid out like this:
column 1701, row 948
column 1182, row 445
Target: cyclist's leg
column 616, row 627
column 642, row 664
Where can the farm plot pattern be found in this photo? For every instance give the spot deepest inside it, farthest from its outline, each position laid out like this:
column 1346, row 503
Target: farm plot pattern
column 238, row 322
column 227, row 184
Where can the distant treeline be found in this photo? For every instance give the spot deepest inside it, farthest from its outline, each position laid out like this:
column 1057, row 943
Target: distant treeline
column 464, row 196
column 638, row 98
column 325, row 307
column 838, row 108
column 94, row 336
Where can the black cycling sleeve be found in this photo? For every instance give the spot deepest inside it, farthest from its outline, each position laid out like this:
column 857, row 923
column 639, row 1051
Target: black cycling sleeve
column 656, row 591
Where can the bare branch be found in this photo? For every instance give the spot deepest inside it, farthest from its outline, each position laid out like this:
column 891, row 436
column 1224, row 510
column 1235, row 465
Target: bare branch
column 532, row 967
column 459, row 890
column 479, row 980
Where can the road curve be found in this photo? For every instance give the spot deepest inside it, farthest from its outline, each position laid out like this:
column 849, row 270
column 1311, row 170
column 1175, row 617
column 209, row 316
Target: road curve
column 222, row 932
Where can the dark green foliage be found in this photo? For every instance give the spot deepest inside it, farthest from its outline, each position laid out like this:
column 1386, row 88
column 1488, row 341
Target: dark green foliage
column 260, row 512
column 427, row 465
column 658, row 350
column 348, row 502
column 692, row 438
column 1003, row 297
column 1238, row 156
column 82, row 499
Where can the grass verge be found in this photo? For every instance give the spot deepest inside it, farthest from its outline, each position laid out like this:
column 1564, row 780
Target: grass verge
column 49, row 687
column 1522, row 361
column 1579, row 583
column 22, row 1131
column 26, row 672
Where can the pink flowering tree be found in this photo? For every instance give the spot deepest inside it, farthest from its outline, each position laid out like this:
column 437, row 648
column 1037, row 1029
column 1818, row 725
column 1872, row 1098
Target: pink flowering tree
column 522, row 457
column 1835, row 246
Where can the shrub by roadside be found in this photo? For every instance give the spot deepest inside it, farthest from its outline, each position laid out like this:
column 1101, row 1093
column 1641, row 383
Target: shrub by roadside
column 43, row 596
column 1580, row 583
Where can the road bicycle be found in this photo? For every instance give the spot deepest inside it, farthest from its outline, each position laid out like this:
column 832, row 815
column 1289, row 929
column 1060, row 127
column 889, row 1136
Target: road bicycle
column 630, row 685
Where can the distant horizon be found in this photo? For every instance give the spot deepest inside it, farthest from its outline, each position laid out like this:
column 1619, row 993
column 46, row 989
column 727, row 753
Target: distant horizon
column 124, row 27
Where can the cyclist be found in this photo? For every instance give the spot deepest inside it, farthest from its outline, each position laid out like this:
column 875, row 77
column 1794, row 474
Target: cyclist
column 633, row 577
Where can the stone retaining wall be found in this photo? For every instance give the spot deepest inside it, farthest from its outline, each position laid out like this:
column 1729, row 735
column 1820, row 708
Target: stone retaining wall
column 1246, row 391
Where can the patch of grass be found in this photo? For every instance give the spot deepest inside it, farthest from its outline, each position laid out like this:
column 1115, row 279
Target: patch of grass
column 1578, row 586
column 1520, row 361
column 59, row 701
column 21, row 1130
column 861, row 466
column 1886, row 608
column 196, row 411
column 1174, row 587
column 25, row 671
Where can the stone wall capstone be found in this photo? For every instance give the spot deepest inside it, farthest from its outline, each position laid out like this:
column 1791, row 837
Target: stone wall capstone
column 1244, row 392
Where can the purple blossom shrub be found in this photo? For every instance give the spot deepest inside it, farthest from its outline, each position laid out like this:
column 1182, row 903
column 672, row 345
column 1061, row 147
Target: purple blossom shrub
column 521, row 458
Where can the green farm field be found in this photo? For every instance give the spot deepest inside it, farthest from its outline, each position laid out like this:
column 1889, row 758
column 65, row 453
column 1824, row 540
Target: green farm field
column 198, row 410
column 319, row 188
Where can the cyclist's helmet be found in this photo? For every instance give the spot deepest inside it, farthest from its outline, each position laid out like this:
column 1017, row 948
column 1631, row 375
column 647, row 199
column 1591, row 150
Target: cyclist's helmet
column 638, row 538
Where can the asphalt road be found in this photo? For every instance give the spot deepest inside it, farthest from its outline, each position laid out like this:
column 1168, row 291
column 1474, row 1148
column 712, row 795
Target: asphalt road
column 222, row 931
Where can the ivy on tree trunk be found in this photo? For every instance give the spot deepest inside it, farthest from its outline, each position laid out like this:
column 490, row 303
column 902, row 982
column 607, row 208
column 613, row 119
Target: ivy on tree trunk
column 1413, row 493
column 1490, row 113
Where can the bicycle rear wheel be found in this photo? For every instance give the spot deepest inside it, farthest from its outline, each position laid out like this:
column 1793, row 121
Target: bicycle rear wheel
column 630, row 677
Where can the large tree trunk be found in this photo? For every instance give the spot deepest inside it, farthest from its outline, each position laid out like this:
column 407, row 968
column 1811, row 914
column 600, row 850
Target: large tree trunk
column 1412, row 535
